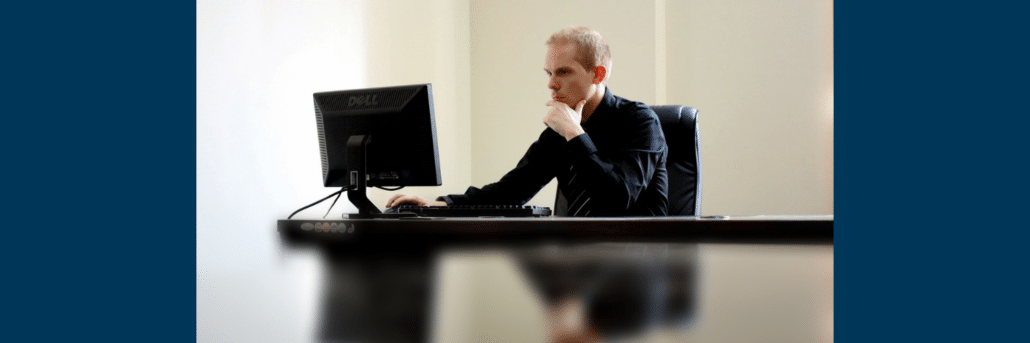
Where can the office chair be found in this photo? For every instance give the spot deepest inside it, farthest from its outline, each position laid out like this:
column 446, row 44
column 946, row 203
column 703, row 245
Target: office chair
column 679, row 124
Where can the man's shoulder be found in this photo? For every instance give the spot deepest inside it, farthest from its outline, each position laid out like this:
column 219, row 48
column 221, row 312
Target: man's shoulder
column 634, row 110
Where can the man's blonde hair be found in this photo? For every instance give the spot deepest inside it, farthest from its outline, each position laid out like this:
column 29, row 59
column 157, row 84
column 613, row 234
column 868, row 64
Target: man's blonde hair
column 591, row 49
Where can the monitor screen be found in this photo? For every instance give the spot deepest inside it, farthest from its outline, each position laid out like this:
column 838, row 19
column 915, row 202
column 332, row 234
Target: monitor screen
column 388, row 132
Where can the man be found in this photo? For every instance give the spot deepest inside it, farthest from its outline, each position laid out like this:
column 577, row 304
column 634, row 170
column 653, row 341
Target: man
column 607, row 152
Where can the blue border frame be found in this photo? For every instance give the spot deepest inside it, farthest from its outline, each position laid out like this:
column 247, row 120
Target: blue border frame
column 926, row 112
column 102, row 132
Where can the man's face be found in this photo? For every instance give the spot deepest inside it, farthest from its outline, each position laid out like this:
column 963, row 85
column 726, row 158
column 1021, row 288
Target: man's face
column 568, row 80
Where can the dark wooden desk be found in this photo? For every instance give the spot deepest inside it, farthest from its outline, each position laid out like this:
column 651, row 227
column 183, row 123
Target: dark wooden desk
column 446, row 231
column 380, row 271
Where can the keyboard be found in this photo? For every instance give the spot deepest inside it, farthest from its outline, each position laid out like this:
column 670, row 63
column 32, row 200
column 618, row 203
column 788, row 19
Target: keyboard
column 472, row 211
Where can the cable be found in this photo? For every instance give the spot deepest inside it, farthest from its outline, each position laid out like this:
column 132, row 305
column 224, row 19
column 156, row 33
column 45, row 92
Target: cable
column 333, row 204
column 337, row 194
column 389, row 189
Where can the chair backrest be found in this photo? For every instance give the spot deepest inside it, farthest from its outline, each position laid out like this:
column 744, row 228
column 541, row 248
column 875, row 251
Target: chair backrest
column 679, row 124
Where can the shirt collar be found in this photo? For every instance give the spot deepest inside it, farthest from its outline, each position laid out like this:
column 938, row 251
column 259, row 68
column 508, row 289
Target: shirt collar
column 603, row 108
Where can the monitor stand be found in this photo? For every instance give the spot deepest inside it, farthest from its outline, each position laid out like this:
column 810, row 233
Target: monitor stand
column 357, row 148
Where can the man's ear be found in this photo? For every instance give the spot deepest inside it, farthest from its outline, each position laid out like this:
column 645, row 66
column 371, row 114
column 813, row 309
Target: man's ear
column 599, row 74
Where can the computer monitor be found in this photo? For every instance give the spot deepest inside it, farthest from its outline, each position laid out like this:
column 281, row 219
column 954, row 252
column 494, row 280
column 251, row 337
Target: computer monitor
column 382, row 137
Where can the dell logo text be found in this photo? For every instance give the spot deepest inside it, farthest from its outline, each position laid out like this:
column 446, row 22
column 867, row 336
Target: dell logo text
column 367, row 100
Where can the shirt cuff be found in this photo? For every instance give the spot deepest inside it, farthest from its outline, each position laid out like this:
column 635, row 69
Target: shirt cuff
column 581, row 145
column 448, row 198
column 459, row 199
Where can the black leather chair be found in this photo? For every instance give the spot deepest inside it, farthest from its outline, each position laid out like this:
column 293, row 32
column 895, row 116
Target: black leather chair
column 679, row 124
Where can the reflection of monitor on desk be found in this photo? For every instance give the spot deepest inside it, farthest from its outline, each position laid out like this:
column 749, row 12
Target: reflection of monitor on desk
column 379, row 137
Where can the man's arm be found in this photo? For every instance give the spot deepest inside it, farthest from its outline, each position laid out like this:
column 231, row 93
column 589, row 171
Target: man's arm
column 617, row 177
column 532, row 173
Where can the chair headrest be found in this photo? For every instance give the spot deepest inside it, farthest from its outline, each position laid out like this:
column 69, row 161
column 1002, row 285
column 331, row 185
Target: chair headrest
column 675, row 115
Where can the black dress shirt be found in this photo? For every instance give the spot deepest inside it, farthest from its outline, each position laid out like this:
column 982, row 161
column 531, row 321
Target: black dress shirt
column 617, row 166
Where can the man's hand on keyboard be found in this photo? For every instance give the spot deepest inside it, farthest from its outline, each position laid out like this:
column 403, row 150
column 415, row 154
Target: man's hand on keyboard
column 400, row 199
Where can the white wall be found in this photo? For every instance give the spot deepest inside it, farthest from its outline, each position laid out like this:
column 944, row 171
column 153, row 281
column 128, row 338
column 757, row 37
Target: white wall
column 427, row 42
column 761, row 75
column 258, row 64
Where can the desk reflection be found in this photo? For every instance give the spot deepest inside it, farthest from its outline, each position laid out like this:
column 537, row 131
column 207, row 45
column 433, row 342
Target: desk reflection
column 591, row 292
column 593, row 283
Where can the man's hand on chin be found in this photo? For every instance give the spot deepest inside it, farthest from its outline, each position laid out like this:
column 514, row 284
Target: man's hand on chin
column 564, row 119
